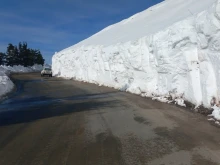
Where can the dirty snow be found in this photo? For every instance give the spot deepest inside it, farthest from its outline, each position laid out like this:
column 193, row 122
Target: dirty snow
column 171, row 49
column 6, row 85
column 215, row 113
column 180, row 102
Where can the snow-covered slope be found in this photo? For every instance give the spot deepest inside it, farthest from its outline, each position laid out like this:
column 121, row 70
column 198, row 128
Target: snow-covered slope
column 171, row 49
column 148, row 22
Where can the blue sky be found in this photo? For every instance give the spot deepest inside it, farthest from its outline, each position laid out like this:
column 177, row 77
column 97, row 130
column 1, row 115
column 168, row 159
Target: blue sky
column 52, row 25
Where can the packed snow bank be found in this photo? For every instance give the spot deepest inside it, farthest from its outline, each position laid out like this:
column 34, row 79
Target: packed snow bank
column 20, row 69
column 6, row 84
column 171, row 49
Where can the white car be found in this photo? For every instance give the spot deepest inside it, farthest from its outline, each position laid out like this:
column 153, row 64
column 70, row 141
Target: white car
column 46, row 71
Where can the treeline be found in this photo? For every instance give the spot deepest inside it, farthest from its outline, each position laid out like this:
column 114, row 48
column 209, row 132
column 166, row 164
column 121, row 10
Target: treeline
column 21, row 55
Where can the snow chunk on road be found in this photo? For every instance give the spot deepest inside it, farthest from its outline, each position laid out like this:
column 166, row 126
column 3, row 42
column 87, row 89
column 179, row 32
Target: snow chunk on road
column 161, row 99
column 180, row 102
column 216, row 112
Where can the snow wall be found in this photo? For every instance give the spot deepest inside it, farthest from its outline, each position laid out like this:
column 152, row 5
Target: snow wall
column 179, row 61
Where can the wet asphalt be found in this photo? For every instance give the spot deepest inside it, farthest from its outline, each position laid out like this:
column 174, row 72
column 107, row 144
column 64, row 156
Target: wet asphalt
column 52, row 121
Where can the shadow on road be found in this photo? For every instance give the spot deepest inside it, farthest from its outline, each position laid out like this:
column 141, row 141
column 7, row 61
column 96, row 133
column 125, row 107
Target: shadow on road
column 33, row 113
column 30, row 104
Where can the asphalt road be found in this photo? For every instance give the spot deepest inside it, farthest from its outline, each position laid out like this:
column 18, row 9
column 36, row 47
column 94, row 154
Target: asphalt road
column 51, row 121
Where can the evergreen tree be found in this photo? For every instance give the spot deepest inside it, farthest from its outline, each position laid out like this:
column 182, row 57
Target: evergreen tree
column 25, row 53
column 38, row 59
column 10, row 55
column 16, row 56
column 2, row 58
column 22, row 55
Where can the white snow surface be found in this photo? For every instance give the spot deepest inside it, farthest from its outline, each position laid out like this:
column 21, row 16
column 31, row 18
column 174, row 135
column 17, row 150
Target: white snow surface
column 6, row 85
column 216, row 112
column 171, row 49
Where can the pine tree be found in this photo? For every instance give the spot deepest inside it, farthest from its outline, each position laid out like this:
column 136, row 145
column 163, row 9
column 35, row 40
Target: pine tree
column 25, row 53
column 2, row 58
column 10, row 55
column 16, row 56
column 22, row 55
column 38, row 58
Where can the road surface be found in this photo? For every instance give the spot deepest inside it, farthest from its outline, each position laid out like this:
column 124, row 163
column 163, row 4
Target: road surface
column 51, row 121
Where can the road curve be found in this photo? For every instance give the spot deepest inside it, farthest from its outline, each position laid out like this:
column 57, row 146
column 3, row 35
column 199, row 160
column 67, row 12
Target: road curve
column 51, row 121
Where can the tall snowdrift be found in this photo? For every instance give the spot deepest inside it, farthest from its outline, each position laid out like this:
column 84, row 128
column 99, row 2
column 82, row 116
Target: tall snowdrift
column 6, row 85
column 171, row 49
